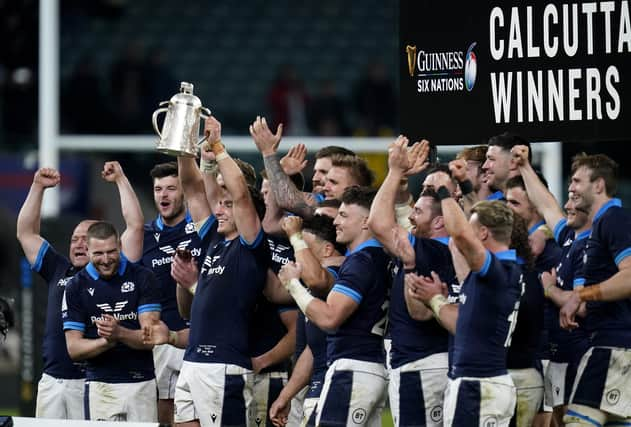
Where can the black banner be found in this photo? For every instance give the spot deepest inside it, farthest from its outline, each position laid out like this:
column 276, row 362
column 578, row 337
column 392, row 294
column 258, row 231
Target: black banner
column 548, row 71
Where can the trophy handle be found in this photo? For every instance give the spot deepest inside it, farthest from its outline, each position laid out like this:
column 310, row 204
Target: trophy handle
column 154, row 117
column 205, row 113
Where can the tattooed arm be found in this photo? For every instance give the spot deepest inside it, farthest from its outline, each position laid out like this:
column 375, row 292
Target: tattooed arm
column 287, row 195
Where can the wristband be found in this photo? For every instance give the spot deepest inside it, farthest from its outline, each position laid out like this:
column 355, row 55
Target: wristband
column 298, row 242
column 443, row 193
column 546, row 290
column 590, row 293
column 299, row 294
column 221, row 156
column 436, row 303
column 172, row 338
column 466, row 187
column 193, row 288
column 217, row 147
column 207, row 167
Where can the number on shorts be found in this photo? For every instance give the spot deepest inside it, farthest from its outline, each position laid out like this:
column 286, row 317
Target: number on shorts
column 380, row 327
column 512, row 318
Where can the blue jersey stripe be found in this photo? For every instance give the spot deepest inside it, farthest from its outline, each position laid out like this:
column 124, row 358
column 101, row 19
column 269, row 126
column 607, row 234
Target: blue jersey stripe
column 37, row 266
column 149, row 307
column 333, row 272
column 486, row 265
column 75, row 326
column 206, row 226
column 622, row 255
column 355, row 296
column 572, row 413
column 255, row 243
column 558, row 228
column 579, row 281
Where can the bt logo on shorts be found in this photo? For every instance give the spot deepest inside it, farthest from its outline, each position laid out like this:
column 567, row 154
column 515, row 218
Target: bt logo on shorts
column 359, row 416
column 490, row 422
column 436, row 413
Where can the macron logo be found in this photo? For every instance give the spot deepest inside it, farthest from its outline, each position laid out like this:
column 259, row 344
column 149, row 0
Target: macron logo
column 108, row 308
column 91, row 291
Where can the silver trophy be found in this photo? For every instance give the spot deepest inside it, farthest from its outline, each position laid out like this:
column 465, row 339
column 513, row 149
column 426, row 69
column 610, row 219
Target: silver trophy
column 180, row 130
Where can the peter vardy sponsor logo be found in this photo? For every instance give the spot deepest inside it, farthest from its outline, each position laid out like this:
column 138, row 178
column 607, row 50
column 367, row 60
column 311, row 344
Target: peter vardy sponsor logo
column 209, row 268
column 118, row 316
column 170, row 251
column 117, row 307
column 63, row 282
column 279, row 259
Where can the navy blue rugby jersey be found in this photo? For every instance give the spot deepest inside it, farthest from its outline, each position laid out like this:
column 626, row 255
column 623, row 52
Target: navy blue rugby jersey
column 608, row 244
column 316, row 339
column 568, row 346
column 57, row 271
column 266, row 329
column 526, row 339
column 487, row 315
column 232, row 277
column 281, row 252
column 160, row 243
column 363, row 276
column 131, row 292
column 411, row 339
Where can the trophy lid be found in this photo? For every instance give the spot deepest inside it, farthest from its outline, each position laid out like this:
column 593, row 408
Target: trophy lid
column 186, row 87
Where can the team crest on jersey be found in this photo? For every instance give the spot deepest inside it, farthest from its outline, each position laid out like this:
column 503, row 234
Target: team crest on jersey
column 118, row 306
column 190, row 228
column 91, row 291
column 128, row 287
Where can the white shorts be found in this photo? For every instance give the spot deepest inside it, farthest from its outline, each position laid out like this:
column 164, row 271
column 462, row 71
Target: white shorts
column 59, row 398
column 529, row 387
column 353, row 393
column 296, row 412
column 603, row 381
column 309, row 412
column 121, row 401
column 213, row 393
column 490, row 401
column 168, row 363
column 265, row 391
column 424, row 379
column 556, row 387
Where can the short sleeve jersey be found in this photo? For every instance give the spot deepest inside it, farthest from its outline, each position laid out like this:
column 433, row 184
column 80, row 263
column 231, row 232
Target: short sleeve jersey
column 363, row 277
column 231, row 279
column 57, row 271
column 160, row 243
column 487, row 315
column 607, row 246
column 566, row 346
column 131, row 292
column 411, row 339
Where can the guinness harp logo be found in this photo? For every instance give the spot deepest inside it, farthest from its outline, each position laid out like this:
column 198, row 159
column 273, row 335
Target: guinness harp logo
column 411, row 51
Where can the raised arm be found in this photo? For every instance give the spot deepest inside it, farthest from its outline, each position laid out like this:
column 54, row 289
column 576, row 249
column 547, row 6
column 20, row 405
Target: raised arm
column 245, row 216
column 208, row 165
column 314, row 275
column 193, row 188
column 382, row 220
column 539, row 195
column 28, row 224
column 287, row 195
column 458, row 226
column 132, row 237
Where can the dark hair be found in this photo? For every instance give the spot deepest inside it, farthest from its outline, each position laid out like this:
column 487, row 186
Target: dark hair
column 437, row 209
column 298, row 179
column 476, row 153
column 357, row 168
column 321, row 226
column 332, row 150
column 600, row 166
column 329, row 203
column 102, row 230
column 507, row 140
column 258, row 201
column 438, row 167
column 518, row 181
column 247, row 170
column 361, row 196
column 162, row 170
column 519, row 241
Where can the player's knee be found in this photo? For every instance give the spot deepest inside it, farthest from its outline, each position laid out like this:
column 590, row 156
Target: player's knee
column 583, row 416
